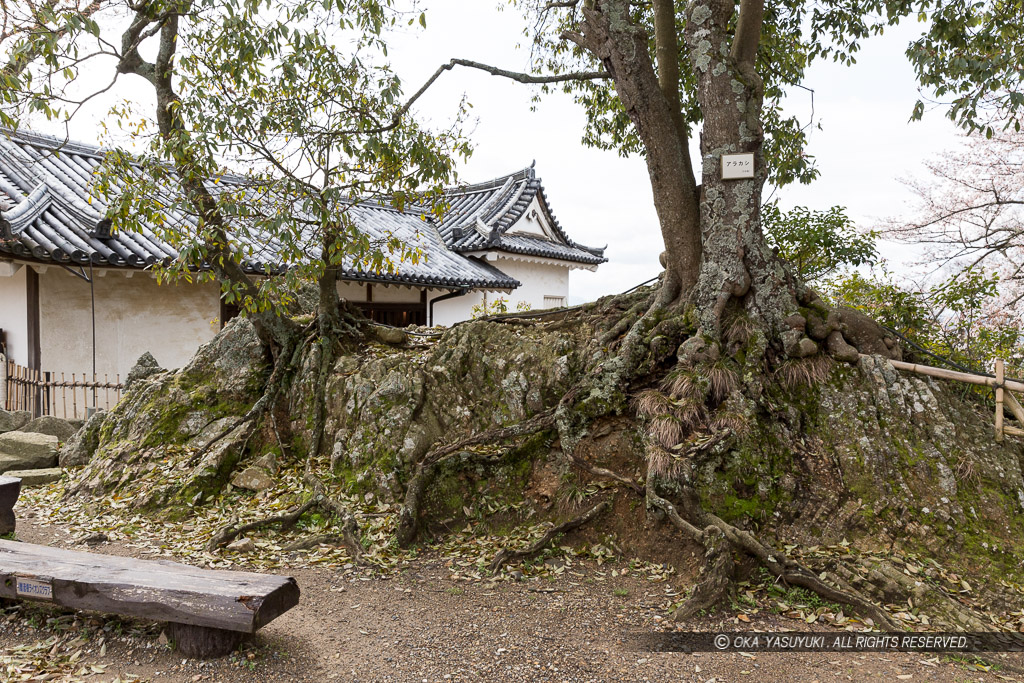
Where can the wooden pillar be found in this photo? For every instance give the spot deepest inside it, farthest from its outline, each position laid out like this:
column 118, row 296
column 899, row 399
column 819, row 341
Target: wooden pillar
column 32, row 324
column 999, row 400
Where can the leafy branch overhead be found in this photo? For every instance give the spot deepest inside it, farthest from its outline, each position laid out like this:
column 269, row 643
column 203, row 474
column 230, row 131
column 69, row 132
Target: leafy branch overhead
column 308, row 129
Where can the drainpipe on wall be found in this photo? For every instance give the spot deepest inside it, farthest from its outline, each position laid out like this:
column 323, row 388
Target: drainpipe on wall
column 450, row 295
column 92, row 297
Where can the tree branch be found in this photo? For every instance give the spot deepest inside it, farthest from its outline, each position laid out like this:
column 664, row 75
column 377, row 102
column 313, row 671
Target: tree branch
column 20, row 61
column 517, row 76
column 506, row 555
column 748, row 32
column 666, row 43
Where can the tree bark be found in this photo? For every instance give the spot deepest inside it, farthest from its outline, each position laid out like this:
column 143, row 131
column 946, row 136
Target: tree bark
column 610, row 34
column 739, row 269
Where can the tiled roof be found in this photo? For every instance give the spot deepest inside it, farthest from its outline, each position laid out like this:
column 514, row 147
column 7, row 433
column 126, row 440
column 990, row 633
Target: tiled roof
column 46, row 216
column 480, row 217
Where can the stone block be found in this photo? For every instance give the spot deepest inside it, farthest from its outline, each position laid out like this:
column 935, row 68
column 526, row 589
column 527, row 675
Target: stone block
column 9, row 421
column 253, row 479
column 27, row 451
column 35, row 477
column 48, row 424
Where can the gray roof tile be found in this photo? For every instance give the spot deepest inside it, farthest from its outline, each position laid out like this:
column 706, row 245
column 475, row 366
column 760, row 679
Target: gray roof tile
column 480, row 216
column 47, row 214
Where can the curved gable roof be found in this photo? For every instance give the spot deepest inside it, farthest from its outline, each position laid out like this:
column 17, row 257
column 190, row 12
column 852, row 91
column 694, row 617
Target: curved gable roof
column 480, row 217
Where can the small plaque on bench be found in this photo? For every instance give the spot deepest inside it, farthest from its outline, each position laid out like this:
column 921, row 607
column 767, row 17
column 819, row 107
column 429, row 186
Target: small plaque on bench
column 31, row 587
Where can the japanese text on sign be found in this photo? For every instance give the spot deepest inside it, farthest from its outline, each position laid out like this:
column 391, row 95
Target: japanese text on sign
column 33, row 588
column 737, row 166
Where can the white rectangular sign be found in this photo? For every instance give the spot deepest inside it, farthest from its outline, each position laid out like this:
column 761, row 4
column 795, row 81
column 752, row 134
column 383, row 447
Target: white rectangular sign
column 29, row 587
column 737, row 166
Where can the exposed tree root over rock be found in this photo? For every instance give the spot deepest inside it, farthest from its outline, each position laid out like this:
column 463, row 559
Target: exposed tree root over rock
column 409, row 516
column 506, row 555
column 349, row 525
column 314, row 541
column 716, row 575
column 743, row 448
column 232, row 531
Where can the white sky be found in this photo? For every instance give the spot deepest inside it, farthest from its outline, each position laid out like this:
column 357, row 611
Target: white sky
column 865, row 146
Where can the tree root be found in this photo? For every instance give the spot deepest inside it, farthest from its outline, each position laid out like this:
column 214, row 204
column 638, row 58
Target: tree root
column 231, row 532
column 313, row 541
column 505, row 555
column 888, row 584
column 409, row 515
column 716, row 576
column 606, row 474
column 349, row 526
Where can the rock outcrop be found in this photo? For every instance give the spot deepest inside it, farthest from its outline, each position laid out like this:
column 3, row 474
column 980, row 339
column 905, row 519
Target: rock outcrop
column 79, row 448
column 867, row 454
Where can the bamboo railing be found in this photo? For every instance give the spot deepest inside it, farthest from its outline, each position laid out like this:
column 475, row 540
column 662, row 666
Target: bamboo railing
column 43, row 393
column 1004, row 399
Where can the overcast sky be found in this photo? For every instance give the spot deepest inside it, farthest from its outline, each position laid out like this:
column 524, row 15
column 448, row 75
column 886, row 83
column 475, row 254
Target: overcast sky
column 865, row 146
column 601, row 199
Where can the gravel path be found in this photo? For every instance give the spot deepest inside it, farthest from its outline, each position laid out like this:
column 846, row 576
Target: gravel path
column 423, row 626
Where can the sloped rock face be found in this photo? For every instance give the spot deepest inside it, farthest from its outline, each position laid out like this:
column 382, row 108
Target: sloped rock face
column 161, row 428
column 925, row 464
column 875, row 456
column 79, row 448
column 386, row 410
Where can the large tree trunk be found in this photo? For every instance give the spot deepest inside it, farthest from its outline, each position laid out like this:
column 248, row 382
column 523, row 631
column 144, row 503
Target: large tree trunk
column 610, row 34
column 739, row 270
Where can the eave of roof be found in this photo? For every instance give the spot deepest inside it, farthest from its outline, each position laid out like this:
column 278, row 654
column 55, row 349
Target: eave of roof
column 47, row 215
column 481, row 215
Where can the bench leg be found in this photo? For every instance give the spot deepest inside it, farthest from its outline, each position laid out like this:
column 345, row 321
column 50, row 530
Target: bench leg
column 7, row 521
column 203, row 642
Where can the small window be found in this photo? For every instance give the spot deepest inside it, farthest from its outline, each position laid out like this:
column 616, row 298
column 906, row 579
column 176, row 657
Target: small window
column 554, row 301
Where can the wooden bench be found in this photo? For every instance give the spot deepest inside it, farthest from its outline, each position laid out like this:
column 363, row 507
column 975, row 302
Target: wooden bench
column 208, row 612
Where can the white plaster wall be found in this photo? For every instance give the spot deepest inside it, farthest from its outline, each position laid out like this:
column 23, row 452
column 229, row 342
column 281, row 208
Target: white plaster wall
column 454, row 310
column 14, row 311
column 356, row 291
column 533, row 221
column 395, row 294
column 538, row 280
column 352, row 291
column 133, row 315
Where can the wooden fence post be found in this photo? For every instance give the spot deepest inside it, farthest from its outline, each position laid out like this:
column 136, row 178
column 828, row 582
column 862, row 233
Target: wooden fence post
column 999, row 400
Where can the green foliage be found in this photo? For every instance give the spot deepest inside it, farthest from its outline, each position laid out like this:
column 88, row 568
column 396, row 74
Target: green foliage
column 961, row 319
column 970, row 54
column 817, row 243
column 285, row 115
column 496, row 306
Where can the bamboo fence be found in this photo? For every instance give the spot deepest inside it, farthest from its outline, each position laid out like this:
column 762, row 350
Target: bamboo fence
column 51, row 393
column 1004, row 399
